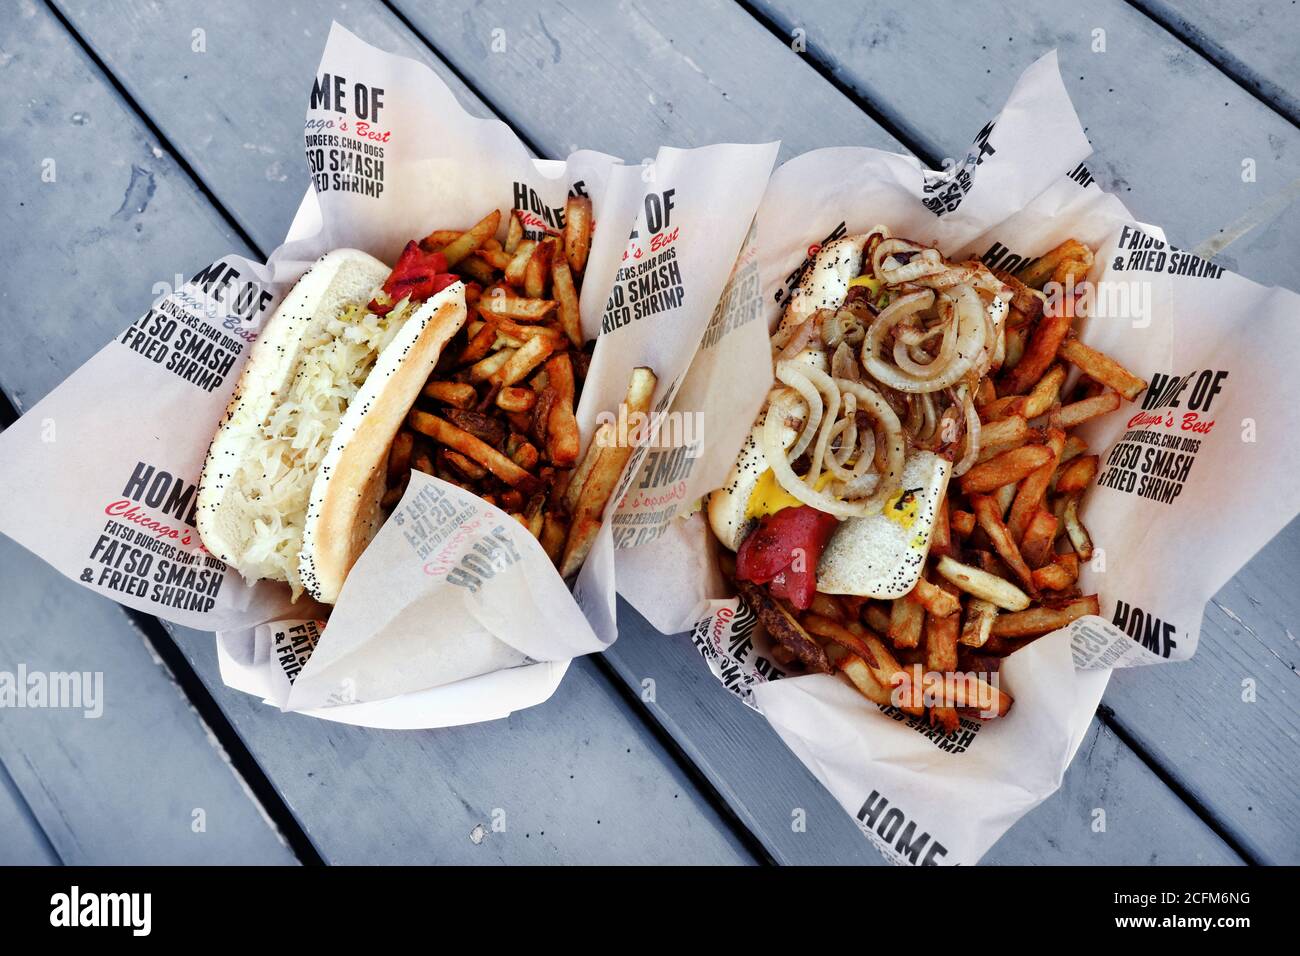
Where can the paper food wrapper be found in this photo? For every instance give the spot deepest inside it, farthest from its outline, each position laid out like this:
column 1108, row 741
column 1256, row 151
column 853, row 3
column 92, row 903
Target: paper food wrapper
column 453, row 614
column 1195, row 477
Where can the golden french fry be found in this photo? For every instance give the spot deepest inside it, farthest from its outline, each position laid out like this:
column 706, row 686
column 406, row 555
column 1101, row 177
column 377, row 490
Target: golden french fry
column 514, row 232
column 937, row 601
column 984, row 585
column 989, row 517
column 905, row 620
column 1040, row 350
column 515, row 399
column 1003, row 469
column 1076, row 413
column 474, row 448
column 537, row 272
column 1036, row 274
column 1043, row 620
column 1029, row 498
column 603, row 475
column 460, row 247
column 1039, row 537
column 1079, row 537
column 566, row 300
column 484, row 369
column 523, row 252
column 562, row 440
column 980, row 615
column 1102, row 368
column 577, row 232
column 963, row 523
column 1059, row 575
column 1078, row 474
column 457, row 394
column 498, row 301
column 1044, row 395
column 522, row 361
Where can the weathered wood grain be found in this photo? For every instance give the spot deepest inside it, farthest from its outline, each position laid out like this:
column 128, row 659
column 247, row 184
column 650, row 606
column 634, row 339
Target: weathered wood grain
column 25, row 843
column 1170, row 131
column 144, row 783
column 363, row 796
column 1255, row 43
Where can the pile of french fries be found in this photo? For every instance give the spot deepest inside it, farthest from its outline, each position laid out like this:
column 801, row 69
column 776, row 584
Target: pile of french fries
column 497, row 415
column 1007, row 544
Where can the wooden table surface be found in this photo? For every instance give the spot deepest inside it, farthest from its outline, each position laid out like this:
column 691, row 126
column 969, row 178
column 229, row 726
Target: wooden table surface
column 168, row 156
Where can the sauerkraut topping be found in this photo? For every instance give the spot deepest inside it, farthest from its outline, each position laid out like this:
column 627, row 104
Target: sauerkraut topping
column 275, row 482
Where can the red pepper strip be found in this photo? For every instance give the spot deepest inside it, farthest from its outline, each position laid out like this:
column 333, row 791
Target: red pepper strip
column 783, row 552
column 418, row 274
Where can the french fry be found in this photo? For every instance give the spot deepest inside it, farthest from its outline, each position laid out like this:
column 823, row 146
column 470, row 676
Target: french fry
column 496, row 258
column 885, row 670
column 981, row 584
column 603, row 477
column 480, row 343
column 967, row 691
column 1078, row 474
column 963, row 523
column 525, row 455
column 1040, row 350
column 1008, row 467
column 1074, row 447
column 937, row 601
column 566, row 300
column 834, row 631
column 466, row 466
column 460, row 247
column 1102, row 368
column 484, row 369
column 1045, row 393
column 577, row 232
column 1076, row 413
column 990, row 519
column 497, row 301
column 522, row 361
column 941, row 656
column 1079, row 537
column 1028, row 302
column 523, row 252
column 537, row 272
column 864, row 679
column 439, row 238
column 562, row 440
column 554, row 533
column 1036, row 274
column 421, row 461
column 1039, row 537
column 605, row 435
column 474, row 268
column 1002, row 408
column 1012, row 430
column 977, row 627
column 1059, row 575
column 1029, row 497
column 1015, row 347
column 905, row 620
column 457, row 394
column 399, row 456
column 1043, row 620
column 941, row 536
column 514, row 232
column 474, row 448
column 515, row 399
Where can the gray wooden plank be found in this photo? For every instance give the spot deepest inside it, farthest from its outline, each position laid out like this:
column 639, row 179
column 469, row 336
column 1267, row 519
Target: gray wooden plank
column 25, row 843
column 362, row 796
column 1170, row 131
column 142, row 783
column 693, row 73
column 1252, row 750
column 1253, row 42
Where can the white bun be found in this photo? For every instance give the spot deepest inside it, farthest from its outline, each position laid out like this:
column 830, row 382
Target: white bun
column 337, row 281
column 344, row 515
